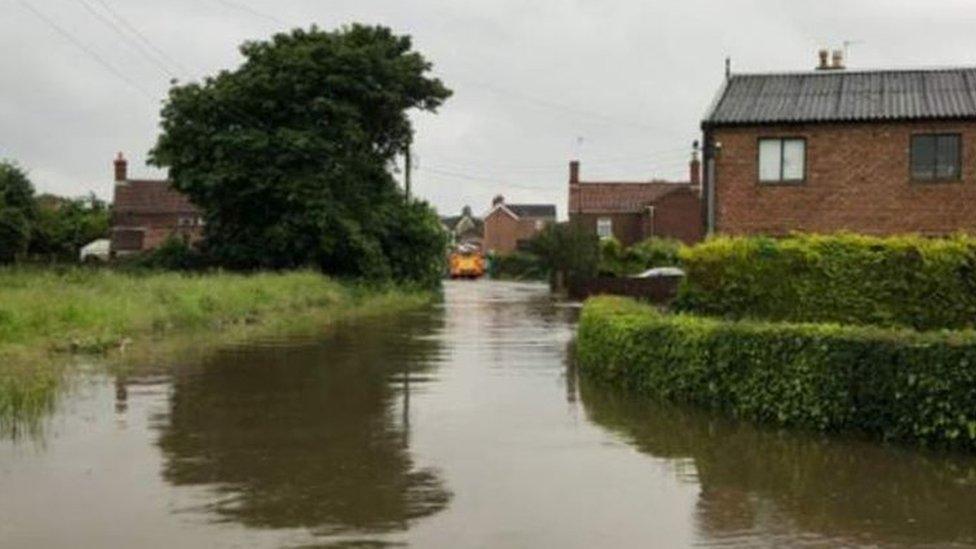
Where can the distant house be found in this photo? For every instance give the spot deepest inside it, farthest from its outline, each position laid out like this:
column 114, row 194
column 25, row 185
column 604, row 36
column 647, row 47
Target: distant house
column 634, row 211
column 508, row 226
column 146, row 212
column 868, row 151
column 464, row 228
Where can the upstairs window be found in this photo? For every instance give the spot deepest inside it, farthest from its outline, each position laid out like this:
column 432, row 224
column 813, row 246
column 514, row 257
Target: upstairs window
column 604, row 227
column 936, row 157
column 782, row 160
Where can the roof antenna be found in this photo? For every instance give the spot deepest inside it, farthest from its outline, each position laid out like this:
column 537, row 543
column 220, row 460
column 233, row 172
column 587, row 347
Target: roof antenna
column 728, row 67
column 847, row 48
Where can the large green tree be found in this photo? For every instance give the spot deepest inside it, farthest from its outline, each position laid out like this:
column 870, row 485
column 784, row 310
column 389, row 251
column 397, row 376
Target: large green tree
column 17, row 211
column 290, row 155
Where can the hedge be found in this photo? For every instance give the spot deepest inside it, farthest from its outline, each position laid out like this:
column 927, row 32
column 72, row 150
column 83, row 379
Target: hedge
column 895, row 384
column 907, row 281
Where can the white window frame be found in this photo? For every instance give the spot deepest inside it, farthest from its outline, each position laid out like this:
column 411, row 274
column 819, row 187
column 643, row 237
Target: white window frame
column 604, row 227
column 781, row 160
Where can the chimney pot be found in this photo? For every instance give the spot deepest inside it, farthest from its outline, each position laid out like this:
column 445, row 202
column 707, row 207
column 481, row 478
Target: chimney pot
column 824, row 60
column 574, row 171
column 121, row 168
column 838, row 60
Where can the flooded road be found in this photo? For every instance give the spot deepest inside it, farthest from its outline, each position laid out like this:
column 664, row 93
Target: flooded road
column 460, row 426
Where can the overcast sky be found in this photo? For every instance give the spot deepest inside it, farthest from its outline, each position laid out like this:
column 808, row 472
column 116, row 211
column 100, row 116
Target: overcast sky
column 622, row 84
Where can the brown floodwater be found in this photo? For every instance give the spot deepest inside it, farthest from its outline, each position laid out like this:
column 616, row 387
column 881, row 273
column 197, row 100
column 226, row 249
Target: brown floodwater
column 464, row 425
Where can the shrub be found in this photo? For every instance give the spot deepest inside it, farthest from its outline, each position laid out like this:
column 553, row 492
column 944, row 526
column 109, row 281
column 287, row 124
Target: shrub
column 891, row 383
column 567, row 248
column 906, row 281
column 518, row 266
column 615, row 260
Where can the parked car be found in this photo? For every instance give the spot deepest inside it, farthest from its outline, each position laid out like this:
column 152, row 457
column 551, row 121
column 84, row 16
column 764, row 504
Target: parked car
column 96, row 251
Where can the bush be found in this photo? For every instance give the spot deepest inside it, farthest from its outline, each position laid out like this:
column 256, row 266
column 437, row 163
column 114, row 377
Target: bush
column 569, row 249
column 898, row 281
column 895, row 384
column 615, row 260
column 518, row 266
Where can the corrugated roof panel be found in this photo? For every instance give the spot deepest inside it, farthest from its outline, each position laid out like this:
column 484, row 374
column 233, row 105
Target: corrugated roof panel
column 847, row 96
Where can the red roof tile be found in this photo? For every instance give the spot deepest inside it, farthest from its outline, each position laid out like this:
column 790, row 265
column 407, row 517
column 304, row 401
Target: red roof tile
column 614, row 197
column 152, row 196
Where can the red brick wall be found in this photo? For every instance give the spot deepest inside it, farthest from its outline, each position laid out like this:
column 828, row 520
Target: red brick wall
column 503, row 232
column 676, row 215
column 157, row 228
column 857, row 179
column 679, row 215
column 628, row 228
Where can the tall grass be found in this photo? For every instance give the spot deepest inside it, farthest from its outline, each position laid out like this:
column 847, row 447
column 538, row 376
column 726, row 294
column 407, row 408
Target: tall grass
column 46, row 312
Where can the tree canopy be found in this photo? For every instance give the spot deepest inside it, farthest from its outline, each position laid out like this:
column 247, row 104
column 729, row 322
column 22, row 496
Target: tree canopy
column 290, row 155
column 17, row 211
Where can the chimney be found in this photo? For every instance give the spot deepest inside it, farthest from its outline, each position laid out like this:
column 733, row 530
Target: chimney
column 574, row 170
column 695, row 168
column 824, row 60
column 121, row 169
column 838, row 60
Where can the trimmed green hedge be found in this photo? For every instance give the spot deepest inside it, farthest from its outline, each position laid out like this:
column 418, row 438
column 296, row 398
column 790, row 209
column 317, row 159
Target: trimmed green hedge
column 895, row 384
column 906, row 281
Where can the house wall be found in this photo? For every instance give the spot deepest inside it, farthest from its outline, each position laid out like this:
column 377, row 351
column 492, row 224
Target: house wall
column 156, row 229
column 503, row 232
column 857, row 179
column 628, row 228
column 678, row 215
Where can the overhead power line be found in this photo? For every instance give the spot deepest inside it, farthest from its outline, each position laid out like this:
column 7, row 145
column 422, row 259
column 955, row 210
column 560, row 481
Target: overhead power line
column 84, row 48
column 125, row 37
column 240, row 6
column 142, row 38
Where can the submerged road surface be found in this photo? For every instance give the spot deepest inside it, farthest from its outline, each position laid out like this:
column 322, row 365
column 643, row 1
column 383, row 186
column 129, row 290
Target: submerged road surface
column 464, row 425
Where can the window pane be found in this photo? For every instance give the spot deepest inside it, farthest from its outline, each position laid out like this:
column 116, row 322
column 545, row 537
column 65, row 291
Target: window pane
column 604, row 227
column 794, row 159
column 770, row 156
column 947, row 157
column 923, row 157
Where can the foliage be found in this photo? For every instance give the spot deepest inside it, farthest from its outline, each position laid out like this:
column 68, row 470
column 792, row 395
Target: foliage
column 288, row 155
column 174, row 254
column 80, row 309
column 906, row 281
column 567, row 248
column 64, row 225
column 892, row 383
column 615, row 260
column 17, row 211
column 518, row 266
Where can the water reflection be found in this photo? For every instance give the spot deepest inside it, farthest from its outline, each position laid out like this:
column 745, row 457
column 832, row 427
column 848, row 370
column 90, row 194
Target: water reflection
column 312, row 436
column 764, row 487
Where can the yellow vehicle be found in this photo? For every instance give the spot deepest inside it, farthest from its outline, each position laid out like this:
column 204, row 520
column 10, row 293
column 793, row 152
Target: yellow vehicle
column 467, row 264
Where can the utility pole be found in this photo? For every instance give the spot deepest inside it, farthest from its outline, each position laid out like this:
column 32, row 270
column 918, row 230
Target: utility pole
column 408, row 167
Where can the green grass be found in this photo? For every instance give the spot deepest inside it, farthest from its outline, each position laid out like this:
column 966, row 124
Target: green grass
column 47, row 315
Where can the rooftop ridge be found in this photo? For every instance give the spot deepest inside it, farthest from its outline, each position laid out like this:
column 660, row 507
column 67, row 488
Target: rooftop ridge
column 842, row 72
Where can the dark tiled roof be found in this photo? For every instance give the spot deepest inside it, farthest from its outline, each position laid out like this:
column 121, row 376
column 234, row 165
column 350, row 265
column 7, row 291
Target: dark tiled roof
column 611, row 197
column 544, row 211
column 151, row 196
column 840, row 96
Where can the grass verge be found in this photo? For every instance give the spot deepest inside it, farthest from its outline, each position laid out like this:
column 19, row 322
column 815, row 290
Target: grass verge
column 47, row 315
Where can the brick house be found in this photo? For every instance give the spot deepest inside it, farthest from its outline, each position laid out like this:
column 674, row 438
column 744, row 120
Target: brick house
column 146, row 212
column 507, row 226
column 875, row 152
column 634, row 211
